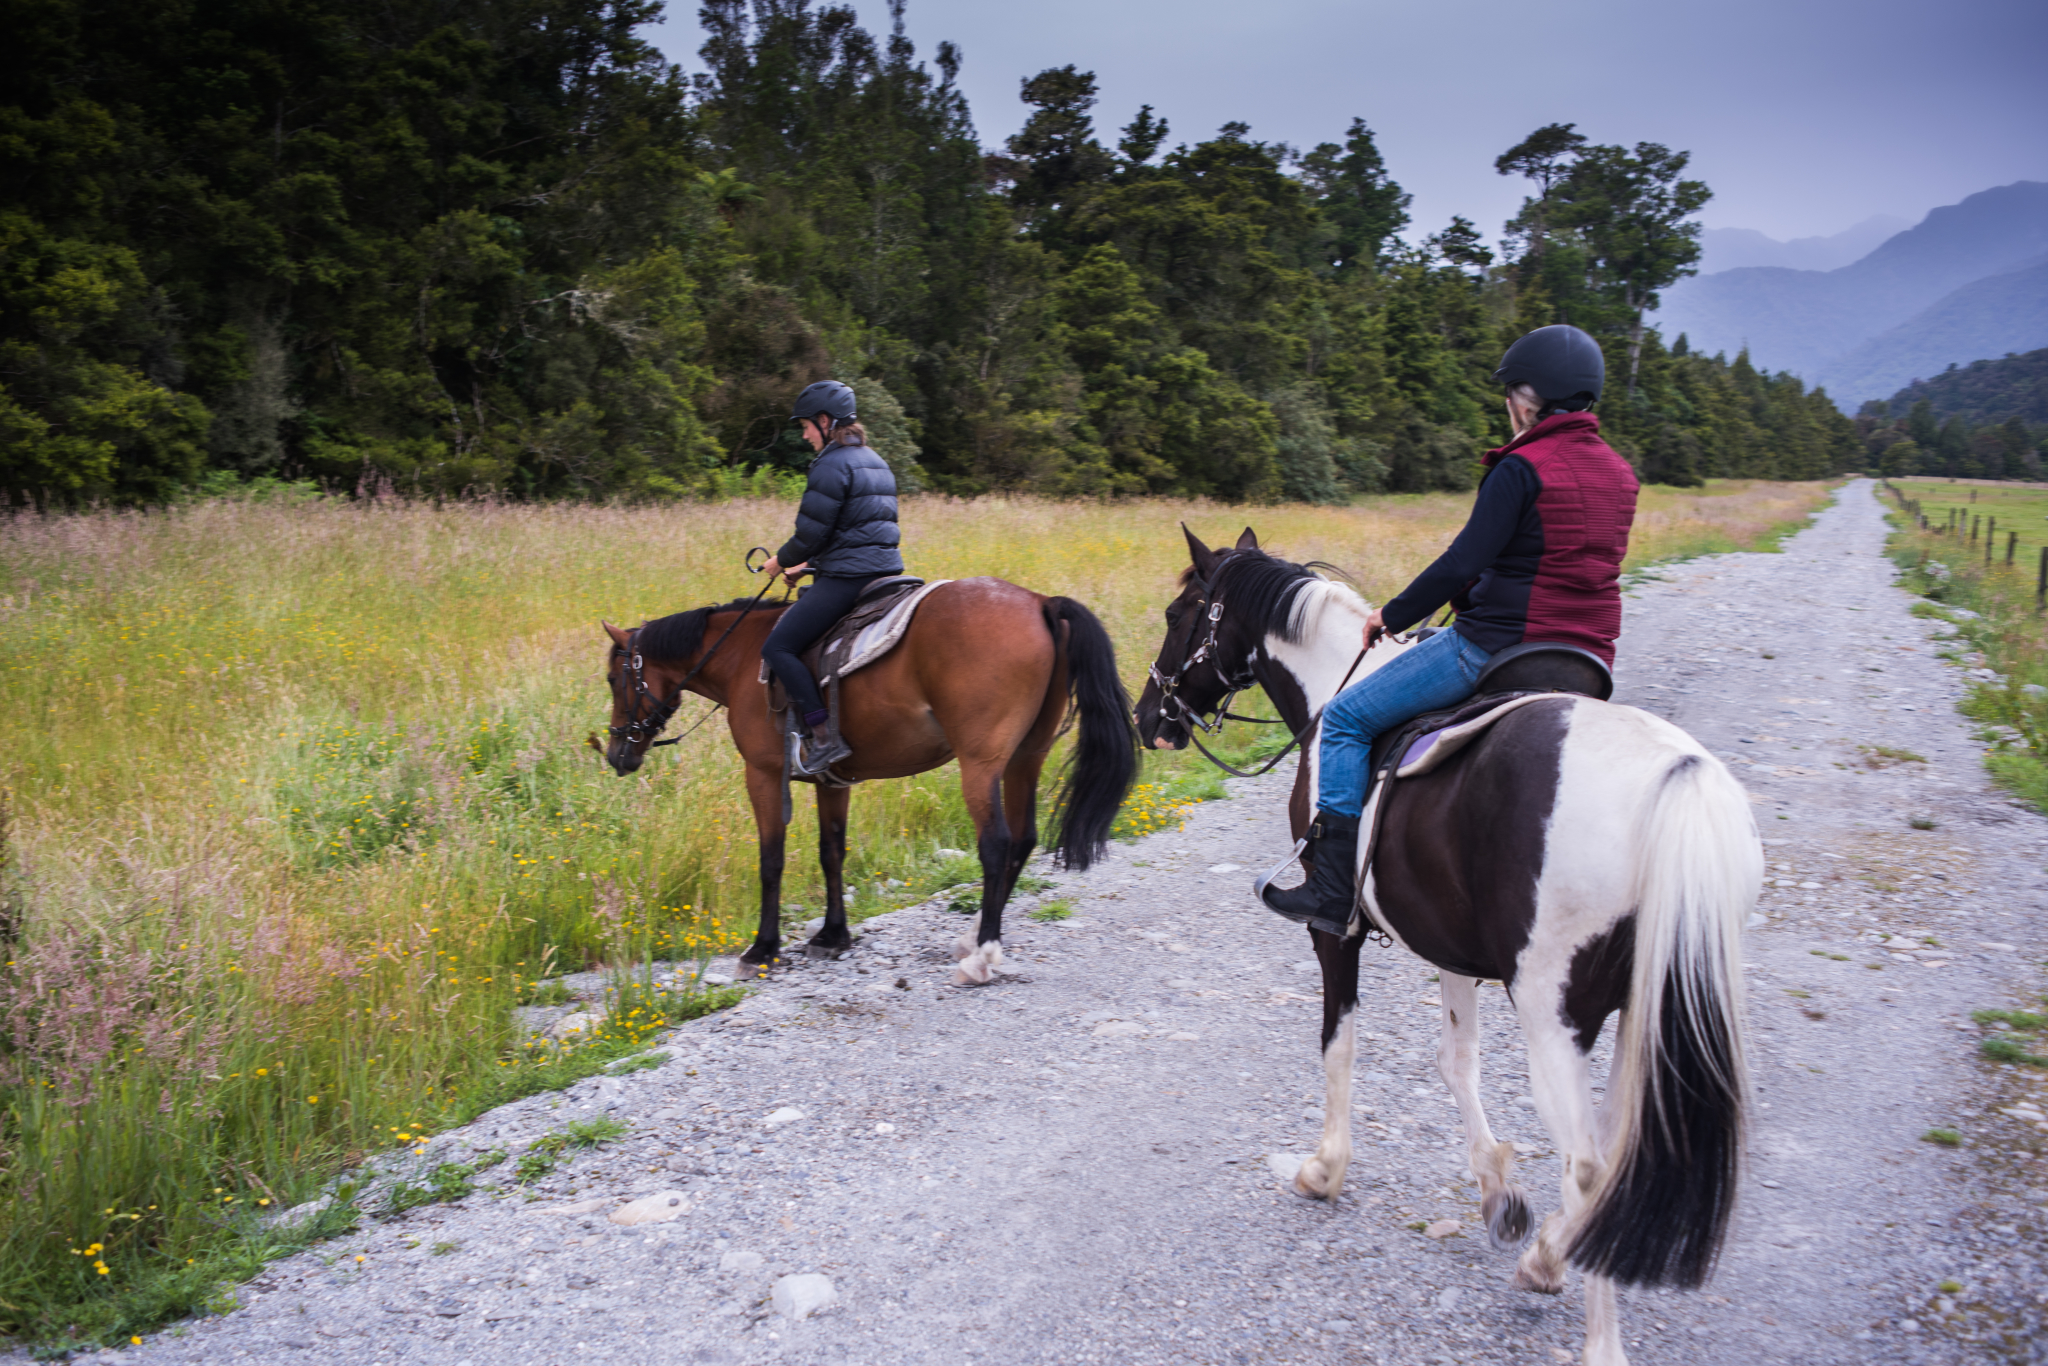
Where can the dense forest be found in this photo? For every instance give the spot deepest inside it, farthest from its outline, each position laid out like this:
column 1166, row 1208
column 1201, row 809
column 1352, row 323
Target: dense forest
column 1984, row 392
column 1984, row 420
column 501, row 244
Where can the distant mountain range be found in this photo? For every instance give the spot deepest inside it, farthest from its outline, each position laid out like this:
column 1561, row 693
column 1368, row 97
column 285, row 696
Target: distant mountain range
column 1733, row 248
column 1969, row 281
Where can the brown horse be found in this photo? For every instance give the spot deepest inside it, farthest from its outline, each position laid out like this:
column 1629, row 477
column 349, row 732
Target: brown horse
column 986, row 673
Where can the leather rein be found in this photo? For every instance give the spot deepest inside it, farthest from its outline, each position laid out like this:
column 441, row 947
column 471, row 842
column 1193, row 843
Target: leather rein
column 1212, row 723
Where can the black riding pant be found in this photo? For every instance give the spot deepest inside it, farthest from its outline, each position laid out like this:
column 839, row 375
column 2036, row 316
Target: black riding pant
column 821, row 606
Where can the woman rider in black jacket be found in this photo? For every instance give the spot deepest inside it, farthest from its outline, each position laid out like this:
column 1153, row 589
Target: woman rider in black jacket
column 846, row 535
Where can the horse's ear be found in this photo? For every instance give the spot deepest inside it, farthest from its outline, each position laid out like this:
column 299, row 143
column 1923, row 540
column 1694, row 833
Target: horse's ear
column 620, row 637
column 1248, row 541
column 1203, row 558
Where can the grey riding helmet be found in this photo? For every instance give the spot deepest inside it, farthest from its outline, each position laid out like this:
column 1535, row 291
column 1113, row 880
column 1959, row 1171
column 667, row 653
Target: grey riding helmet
column 1562, row 364
column 827, row 396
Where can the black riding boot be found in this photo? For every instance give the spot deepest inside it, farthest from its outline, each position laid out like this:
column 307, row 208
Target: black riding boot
column 1324, row 901
column 823, row 747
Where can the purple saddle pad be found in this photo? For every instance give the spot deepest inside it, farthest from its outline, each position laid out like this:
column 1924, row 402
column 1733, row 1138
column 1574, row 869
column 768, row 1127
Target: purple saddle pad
column 1419, row 748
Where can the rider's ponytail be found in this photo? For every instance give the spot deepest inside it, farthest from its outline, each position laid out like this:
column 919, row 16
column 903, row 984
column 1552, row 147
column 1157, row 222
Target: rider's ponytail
column 849, row 434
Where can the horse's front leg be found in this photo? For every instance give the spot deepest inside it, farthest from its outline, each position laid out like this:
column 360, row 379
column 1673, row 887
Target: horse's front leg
column 833, row 938
column 980, row 949
column 764, row 793
column 1322, row 1175
column 1502, row 1203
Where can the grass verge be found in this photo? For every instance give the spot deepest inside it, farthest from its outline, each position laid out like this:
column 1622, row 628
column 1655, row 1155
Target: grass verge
column 1996, row 630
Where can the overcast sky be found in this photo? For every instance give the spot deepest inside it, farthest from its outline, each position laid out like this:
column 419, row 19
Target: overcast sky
column 1804, row 116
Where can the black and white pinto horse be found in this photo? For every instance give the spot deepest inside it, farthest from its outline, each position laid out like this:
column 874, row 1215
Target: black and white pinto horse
column 1592, row 858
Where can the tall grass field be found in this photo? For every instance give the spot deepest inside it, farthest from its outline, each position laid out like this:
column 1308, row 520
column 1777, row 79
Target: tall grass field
column 297, row 809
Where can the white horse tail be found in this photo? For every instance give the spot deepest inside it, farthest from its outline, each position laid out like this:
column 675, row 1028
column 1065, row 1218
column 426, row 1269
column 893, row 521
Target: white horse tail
column 1660, row 1206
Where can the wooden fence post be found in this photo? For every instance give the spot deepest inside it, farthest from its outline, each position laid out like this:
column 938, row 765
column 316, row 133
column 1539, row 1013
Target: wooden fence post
column 2012, row 547
column 2041, row 584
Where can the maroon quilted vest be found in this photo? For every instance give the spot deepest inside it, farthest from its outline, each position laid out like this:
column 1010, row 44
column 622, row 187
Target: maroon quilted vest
column 1587, row 504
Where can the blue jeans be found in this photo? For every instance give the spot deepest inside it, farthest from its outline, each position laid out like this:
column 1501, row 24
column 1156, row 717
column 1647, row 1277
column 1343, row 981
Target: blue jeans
column 1440, row 672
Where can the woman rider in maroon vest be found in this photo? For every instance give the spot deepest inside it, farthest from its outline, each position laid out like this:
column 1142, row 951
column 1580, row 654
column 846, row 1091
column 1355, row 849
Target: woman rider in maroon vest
column 1539, row 560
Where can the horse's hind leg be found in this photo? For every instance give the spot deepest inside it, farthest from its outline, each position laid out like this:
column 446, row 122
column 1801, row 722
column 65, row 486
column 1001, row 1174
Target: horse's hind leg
column 1561, row 1082
column 980, row 949
column 833, row 938
column 1322, row 1175
column 1503, row 1204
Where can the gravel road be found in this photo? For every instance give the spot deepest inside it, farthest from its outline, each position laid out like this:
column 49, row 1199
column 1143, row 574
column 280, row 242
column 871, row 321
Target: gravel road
column 1071, row 1165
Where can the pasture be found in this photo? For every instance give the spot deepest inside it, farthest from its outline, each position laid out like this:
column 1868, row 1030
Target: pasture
column 297, row 808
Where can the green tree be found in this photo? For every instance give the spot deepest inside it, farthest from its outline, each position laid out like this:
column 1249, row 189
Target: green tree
column 1057, row 154
column 1543, row 157
column 1901, row 457
column 1632, row 211
column 1922, row 426
column 1157, row 417
column 1363, row 206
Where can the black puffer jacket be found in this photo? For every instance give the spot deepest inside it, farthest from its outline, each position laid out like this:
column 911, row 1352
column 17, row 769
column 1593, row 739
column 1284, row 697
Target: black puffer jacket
column 846, row 524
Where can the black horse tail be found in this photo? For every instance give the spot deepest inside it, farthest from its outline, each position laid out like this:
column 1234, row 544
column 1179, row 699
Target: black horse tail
column 1105, row 758
column 1659, row 1210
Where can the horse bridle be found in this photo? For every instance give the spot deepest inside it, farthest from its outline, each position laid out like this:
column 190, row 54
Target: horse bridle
column 1206, row 652
column 661, row 712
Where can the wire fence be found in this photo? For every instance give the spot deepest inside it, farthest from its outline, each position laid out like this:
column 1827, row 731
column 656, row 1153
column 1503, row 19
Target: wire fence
column 1971, row 518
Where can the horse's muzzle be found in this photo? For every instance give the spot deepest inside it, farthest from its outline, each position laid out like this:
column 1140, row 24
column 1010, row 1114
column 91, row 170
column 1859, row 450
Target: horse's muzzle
column 624, row 759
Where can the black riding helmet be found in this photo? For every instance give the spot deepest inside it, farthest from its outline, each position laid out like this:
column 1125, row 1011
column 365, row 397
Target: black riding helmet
column 1562, row 364
column 827, row 396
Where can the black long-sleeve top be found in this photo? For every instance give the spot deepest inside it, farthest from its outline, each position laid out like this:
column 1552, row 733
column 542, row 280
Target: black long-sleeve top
column 1489, row 569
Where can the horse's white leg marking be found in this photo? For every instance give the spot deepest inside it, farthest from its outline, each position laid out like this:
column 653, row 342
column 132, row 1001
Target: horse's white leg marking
column 978, row 962
column 1603, row 1325
column 1503, row 1204
column 1322, row 1176
column 1562, row 1087
column 1561, row 1083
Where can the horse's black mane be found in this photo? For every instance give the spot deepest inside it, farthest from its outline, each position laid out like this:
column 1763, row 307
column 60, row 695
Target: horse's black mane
column 682, row 635
column 1262, row 588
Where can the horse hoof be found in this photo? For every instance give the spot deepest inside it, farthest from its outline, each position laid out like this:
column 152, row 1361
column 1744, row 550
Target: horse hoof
column 971, row 974
column 1506, row 1213
column 759, row 961
column 816, row 950
column 1539, row 1279
column 1312, row 1182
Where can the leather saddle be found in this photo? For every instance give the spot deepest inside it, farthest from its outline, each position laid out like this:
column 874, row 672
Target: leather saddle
column 827, row 660
column 1518, row 671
